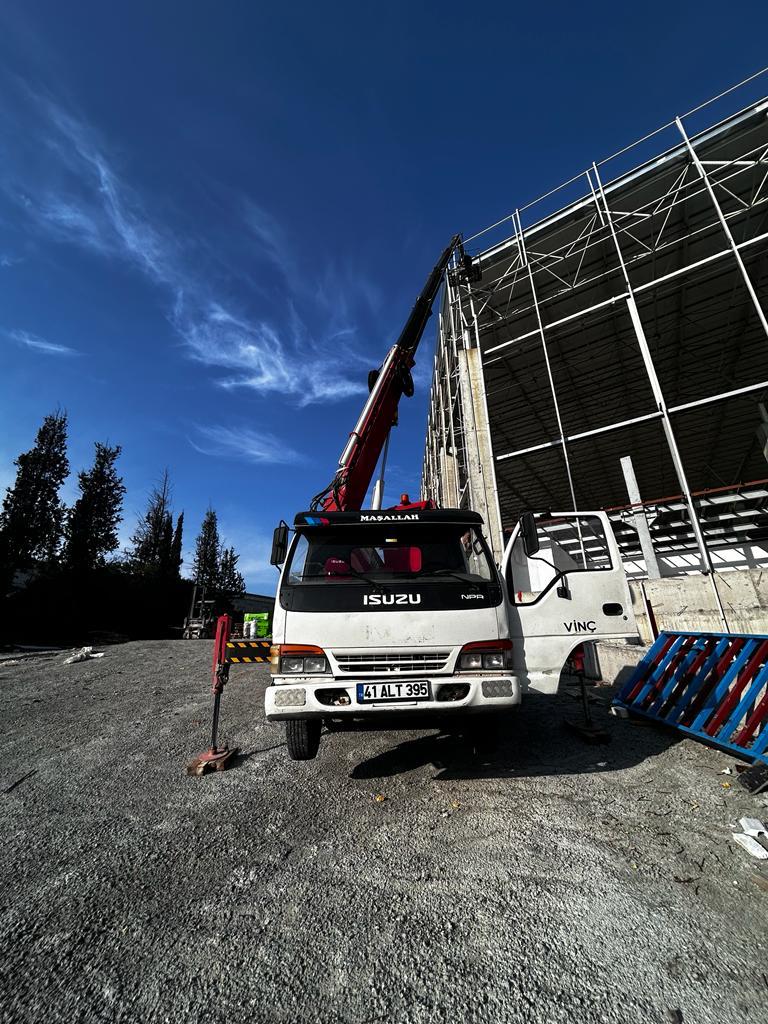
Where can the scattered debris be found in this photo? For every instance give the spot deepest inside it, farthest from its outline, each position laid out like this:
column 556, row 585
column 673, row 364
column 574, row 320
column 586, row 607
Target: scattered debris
column 725, row 785
column 751, row 845
column 379, row 798
column 84, row 654
column 753, row 827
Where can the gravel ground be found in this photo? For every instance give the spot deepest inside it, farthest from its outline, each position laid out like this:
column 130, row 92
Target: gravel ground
column 402, row 876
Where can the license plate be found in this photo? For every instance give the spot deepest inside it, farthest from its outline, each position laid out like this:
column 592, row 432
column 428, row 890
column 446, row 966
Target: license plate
column 367, row 693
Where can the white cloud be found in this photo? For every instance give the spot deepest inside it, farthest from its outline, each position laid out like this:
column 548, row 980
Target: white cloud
column 40, row 344
column 84, row 201
column 244, row 443
column 263, row 359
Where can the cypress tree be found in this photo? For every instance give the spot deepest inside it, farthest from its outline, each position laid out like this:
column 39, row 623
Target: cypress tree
column 205, row 568
column 91, row 529
column 176, row 555
column 230, row 579
column 153, row 537
column 32, row 516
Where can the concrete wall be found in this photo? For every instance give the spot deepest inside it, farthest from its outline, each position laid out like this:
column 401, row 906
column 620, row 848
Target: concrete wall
column 687, row 602
column 615, row 661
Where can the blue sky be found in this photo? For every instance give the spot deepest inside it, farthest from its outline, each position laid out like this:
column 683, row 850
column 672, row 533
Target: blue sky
column 214, row 218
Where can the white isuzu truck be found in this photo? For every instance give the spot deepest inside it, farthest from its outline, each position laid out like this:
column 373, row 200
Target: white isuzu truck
column 384, row 612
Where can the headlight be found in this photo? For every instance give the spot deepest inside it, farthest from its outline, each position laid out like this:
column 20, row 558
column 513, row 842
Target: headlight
column 488, row 655
column 493, row 660
column 312, row 664
column 292, row 665
column 315, row 665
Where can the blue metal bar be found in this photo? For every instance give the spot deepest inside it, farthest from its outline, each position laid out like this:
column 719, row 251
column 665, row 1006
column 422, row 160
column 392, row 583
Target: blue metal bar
column 675, row 677
column 643, row 666
column 740, row 636
column 760, row 745
column 724, row 685
column 750, row 697
column 741, row 752
column 658, row 671
column 687, row 696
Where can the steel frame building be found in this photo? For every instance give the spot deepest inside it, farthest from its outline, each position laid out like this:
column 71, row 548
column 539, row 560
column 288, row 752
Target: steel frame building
column 621, row 314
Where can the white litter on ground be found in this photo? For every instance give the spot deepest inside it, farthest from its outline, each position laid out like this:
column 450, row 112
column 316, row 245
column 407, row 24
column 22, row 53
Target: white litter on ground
column 84, row 654
column 753, row 827
column 751, row 845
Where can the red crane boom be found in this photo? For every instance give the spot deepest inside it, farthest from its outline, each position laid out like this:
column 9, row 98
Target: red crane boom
column 361, row 452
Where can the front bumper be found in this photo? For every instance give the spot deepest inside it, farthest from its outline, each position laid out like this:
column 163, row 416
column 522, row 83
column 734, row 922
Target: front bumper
column 288, row 697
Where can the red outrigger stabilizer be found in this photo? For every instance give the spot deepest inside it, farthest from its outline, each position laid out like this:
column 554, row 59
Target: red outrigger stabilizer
column 216, row 758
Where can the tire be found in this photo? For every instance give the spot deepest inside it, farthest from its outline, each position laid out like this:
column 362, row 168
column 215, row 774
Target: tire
column 302, row 737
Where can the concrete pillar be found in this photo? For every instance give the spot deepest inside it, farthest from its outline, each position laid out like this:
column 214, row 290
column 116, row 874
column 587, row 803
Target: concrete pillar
column 639, row 520
column 483, row 493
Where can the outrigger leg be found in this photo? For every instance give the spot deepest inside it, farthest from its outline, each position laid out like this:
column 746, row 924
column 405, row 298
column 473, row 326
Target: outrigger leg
column 216, row 758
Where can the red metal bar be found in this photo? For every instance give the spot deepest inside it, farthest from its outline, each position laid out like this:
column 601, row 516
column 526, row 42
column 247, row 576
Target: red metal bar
column 223, row 629
column 715, row 675
column 758, row 715
column 669, row 669
column 745, row 676
column 689, row 674
column 737, row 488
column 650, row 667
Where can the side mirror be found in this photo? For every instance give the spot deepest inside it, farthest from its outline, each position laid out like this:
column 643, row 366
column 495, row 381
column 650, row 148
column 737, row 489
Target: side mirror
column 530, row 533
column 279, row 544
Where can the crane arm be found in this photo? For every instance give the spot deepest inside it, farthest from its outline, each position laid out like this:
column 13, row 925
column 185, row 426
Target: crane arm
column 361, row 452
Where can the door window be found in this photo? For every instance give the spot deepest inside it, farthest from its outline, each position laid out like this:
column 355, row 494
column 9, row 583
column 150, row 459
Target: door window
column 566, row 545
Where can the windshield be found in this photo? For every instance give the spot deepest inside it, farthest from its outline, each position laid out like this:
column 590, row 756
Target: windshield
column 441, row 551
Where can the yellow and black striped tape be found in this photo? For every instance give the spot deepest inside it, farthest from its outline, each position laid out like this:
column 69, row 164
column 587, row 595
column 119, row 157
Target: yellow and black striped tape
column 248, row 652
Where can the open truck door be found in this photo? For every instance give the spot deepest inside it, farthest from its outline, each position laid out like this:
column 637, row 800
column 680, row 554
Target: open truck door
column 565, row 585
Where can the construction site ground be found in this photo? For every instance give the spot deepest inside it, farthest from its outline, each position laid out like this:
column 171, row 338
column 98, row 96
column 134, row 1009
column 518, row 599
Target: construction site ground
column 407, row 876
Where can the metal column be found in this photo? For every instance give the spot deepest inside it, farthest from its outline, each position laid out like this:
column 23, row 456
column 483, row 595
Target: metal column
column 661, row 404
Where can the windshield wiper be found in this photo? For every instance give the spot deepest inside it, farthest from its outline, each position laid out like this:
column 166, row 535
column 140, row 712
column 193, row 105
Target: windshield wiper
column 454, row 575
column 350, row 572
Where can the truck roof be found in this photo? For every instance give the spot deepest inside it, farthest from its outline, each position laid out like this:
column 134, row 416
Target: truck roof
column 304, row 520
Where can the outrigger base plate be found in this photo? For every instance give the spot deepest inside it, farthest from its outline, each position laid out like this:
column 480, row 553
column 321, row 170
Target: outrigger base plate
column 213, row 760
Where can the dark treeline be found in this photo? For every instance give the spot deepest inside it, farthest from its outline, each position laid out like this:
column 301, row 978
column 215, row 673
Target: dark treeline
column 62, row 578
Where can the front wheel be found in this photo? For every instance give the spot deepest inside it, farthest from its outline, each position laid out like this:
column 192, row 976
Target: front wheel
column 302, row 737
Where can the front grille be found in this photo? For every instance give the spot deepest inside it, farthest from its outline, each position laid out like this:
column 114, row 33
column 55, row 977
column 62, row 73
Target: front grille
column 411, row 661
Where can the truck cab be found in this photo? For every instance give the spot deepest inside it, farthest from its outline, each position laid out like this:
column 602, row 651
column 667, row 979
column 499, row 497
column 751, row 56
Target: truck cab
column 383, row 612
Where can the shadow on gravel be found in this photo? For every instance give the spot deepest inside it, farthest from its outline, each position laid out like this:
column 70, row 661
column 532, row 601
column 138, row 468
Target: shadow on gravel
column 534, row 741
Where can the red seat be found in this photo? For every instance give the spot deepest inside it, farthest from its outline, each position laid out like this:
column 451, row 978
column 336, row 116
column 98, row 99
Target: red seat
column 402, row 559
column 336, row 567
